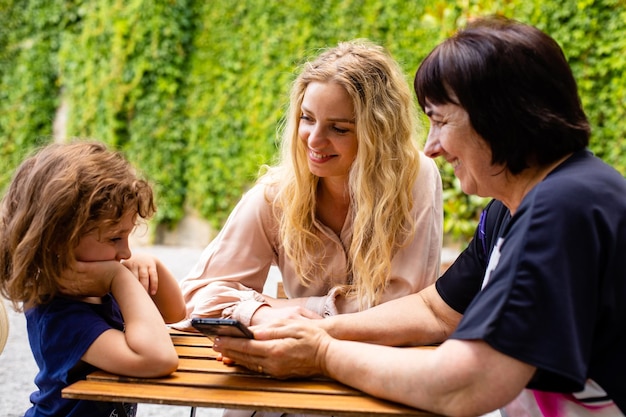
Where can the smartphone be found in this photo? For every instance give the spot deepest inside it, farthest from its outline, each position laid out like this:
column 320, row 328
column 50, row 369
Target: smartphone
column 221, row 327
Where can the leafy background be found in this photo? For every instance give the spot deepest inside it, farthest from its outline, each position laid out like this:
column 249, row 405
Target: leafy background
column 193, row 91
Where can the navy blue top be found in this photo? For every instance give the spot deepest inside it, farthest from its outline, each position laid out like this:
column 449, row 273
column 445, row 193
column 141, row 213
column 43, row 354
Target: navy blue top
column 555, row 293
column 60, row 332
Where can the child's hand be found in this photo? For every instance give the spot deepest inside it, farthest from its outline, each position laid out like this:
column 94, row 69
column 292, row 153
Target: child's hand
column 159, row 283
column 89, row 279
column 144, row 267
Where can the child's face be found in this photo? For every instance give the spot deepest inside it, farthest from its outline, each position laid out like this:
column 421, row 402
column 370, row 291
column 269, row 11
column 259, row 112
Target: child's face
column 107, row 244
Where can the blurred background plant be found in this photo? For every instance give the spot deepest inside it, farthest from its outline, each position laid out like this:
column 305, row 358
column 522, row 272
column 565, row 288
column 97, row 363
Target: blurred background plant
column 193, row 91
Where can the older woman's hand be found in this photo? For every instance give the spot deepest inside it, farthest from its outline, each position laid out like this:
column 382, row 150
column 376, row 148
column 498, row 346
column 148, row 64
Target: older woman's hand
column 289, row 348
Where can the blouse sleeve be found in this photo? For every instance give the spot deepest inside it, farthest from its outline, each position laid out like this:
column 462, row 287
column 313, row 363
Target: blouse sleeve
column 228, row 279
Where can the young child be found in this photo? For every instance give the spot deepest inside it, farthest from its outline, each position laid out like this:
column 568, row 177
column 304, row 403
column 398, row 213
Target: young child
column 65, row 221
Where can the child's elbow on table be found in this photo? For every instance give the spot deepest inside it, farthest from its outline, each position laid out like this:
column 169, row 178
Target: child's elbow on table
column 162, row 365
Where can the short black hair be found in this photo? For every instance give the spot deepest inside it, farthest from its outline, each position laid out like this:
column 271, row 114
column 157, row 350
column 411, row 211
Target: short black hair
column 517, row 87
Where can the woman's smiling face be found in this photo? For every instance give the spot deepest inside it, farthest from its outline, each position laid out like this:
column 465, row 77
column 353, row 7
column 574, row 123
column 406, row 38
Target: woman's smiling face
column 327, row 129
column 452, row 137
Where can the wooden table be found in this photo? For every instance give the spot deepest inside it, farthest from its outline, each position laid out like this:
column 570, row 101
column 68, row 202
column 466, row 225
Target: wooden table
column 202, row 381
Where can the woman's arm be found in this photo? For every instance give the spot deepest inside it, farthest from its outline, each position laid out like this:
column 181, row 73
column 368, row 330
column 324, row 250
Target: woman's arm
column 416, row 319
column 457, row 378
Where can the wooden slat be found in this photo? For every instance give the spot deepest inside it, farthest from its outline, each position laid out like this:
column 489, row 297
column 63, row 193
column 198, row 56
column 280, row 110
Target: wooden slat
column 248, row 381
column 176, row 332
column 192, row 341
column 202, row 381
column 290, row 402
column 209, row 365
column 196, row 352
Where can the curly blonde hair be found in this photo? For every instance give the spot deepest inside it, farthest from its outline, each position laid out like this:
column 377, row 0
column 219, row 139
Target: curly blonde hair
column 57, row 195
column 380, row 179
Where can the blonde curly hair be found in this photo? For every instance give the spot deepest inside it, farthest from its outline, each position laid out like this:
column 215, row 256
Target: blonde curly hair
column 380, row 179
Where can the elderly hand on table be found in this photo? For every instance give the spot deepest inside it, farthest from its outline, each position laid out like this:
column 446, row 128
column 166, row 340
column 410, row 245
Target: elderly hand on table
column 288, row 348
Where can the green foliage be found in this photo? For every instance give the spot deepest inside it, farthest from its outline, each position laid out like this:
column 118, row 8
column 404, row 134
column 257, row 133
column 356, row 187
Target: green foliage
column 234, row 91
column 123, row 66
column 592, row 34
column 29, row 34
column 194, row 92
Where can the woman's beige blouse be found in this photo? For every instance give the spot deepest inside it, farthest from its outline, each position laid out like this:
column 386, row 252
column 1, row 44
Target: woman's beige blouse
column 228, row 279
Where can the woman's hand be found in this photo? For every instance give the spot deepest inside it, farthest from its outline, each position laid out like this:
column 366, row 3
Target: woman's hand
column 270, row 314
column 289, row 348
column 273, row 314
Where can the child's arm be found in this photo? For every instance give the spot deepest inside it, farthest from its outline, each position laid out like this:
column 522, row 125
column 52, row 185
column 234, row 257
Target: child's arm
column 144, row 348
column 159, row 282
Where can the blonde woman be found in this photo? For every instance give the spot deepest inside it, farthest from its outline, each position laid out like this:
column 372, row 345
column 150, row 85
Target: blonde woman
column 351, row 214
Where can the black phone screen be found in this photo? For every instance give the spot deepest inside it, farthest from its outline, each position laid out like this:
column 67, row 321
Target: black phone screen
column 221, row 327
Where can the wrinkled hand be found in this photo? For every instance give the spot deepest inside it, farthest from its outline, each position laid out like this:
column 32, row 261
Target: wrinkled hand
column 144, row 267
column 290, row 348
column 89, row 279
column 269, row 314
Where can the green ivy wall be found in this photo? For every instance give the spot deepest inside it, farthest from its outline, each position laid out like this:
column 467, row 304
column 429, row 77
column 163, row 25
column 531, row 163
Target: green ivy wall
column 193, row 91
